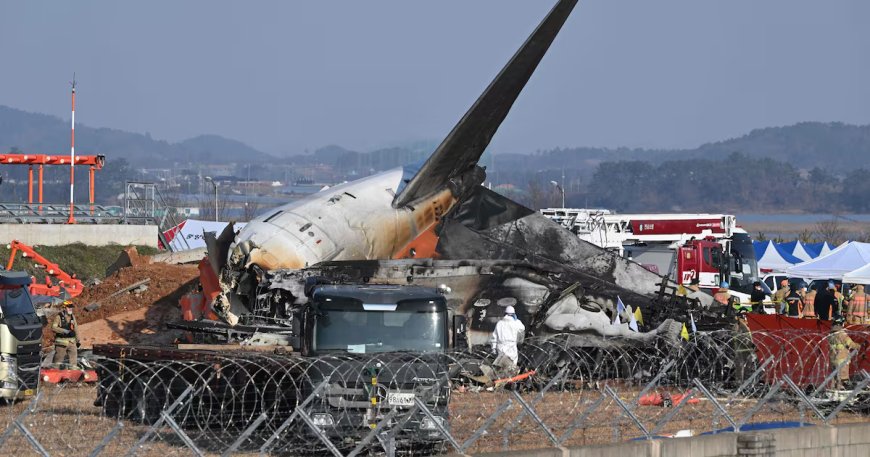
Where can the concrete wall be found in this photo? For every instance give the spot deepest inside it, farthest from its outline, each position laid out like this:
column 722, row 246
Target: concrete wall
column 89, row 234
column 850, row 440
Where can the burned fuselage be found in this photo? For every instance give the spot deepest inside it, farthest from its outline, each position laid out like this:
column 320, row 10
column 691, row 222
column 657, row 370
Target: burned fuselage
column 493, row 252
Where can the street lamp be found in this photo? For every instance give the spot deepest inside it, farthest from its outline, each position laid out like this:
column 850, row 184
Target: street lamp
column 560, row 190
column 214, row 184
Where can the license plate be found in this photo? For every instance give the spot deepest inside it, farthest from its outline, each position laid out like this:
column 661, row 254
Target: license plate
column 400, row 399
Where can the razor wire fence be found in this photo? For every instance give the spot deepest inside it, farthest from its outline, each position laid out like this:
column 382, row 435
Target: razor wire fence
column 563, row 393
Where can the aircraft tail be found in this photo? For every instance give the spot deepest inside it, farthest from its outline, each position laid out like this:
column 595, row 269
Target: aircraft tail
column 462, row 148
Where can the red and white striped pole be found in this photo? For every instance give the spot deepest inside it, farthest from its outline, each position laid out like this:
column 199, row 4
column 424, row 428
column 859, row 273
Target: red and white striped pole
column 72, row 157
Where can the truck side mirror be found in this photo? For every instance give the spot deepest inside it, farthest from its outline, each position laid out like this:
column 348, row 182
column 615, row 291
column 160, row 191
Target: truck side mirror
column 460, row 328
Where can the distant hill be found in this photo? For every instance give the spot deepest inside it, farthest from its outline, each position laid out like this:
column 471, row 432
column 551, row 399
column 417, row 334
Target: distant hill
column 833, row 146
column 43, row 134
column 806, row 145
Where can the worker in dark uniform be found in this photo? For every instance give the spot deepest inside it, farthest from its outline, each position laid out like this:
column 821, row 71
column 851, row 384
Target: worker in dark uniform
column 825, row 303
column 794, row 304
column 757, row 298
column 839, row 346
column 741, row 343
column 66, row 340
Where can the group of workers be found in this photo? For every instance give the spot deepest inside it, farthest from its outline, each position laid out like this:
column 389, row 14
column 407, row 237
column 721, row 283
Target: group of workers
column 823, row 304
column 828, row 304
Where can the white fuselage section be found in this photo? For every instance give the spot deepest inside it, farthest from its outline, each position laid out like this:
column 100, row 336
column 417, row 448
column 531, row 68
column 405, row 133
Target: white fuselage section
column 351, row 221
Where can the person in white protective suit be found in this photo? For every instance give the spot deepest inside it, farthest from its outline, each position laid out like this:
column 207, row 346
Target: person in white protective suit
column 508, row 332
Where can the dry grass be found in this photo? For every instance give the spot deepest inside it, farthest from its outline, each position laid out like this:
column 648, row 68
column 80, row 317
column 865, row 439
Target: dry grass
column 67, row 424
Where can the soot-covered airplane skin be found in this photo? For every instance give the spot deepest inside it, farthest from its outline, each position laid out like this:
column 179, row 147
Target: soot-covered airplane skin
column 439, row 210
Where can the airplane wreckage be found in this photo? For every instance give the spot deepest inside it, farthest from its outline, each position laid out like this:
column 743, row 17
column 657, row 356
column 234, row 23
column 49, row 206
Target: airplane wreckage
column 436, row 225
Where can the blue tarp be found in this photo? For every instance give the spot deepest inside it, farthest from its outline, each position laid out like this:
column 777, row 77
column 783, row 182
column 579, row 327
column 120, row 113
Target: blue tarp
column 759, row 247
column 755, row 426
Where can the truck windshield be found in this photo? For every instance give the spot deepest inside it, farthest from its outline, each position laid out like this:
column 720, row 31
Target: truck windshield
column 380, row 331
column 15, row 301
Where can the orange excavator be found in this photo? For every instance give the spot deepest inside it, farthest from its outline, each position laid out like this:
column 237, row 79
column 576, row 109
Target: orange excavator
column 51, row 287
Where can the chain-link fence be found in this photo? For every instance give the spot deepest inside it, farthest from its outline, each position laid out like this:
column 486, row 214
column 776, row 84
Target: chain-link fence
column 152, row 402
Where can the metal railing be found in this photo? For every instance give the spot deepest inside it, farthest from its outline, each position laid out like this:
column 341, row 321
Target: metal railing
column 58, row 213
column 345, row 405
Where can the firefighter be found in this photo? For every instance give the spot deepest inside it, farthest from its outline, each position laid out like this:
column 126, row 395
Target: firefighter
column 839, row 345
column 695, row 285
column 508, row 332
column 741, row 343
column 839, row 298
column 757, row 298
column 809, row 304
column 722, row 296
column 856, row 305
column 66, row 340
column 779, row 296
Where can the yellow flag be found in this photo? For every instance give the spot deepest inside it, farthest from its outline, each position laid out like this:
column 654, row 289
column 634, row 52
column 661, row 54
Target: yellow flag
column 681, row 290
column 684, row 333
column 638, row 316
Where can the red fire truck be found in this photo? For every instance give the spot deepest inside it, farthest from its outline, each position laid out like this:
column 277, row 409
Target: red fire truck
column 708, row 247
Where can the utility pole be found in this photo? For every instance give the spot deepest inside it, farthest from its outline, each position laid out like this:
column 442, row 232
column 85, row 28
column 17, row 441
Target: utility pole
column 214, row 184
column 561, row 189
column 72, row 156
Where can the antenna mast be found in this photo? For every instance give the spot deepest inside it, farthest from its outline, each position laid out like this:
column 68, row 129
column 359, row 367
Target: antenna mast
column 72, row 156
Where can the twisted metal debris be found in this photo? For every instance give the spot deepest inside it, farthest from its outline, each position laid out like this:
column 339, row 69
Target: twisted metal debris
column 289, row 405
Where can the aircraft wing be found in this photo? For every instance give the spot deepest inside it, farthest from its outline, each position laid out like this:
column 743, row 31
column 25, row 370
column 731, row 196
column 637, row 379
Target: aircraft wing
column 462, row 148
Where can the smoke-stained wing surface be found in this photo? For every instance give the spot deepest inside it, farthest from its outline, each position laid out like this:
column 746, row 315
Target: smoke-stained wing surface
column 462, row 148
column 487, row 225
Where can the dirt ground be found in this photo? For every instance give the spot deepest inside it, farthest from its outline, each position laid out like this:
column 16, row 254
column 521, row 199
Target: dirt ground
column 136, row 317
column 66, row 422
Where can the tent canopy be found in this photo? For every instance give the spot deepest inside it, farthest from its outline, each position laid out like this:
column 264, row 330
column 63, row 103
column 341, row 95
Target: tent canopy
column 844, row 259
column 797, row 249
column 759, row 247
column 859, row 276
column 776, row 258
column 818, row 249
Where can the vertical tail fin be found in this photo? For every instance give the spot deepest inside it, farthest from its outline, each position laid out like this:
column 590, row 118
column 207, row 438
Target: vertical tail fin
column 462, row 148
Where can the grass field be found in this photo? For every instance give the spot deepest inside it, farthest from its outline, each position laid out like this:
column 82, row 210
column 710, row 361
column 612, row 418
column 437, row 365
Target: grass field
column 86, row 262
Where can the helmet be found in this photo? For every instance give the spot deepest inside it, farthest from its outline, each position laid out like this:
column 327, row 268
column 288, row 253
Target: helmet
column 510, row 310
column 67, row 304
column 723, row 285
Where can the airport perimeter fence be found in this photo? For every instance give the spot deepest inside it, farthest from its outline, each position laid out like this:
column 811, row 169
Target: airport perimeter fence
column 398, row 403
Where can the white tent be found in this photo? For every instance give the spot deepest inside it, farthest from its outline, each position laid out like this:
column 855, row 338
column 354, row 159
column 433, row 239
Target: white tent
column 801, row 252
column 827, row 249
column 775, row 258
column 835, row 264
column 859, row 276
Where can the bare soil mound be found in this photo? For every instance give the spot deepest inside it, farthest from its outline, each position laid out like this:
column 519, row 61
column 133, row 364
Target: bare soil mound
column 129, row 316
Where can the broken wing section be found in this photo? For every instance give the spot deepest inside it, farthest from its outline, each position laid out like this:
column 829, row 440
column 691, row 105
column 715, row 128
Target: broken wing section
column 490, row 226
column 461, row 149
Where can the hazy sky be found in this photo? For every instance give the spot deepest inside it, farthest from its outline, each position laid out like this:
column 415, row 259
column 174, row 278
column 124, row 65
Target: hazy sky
column 288, row 75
